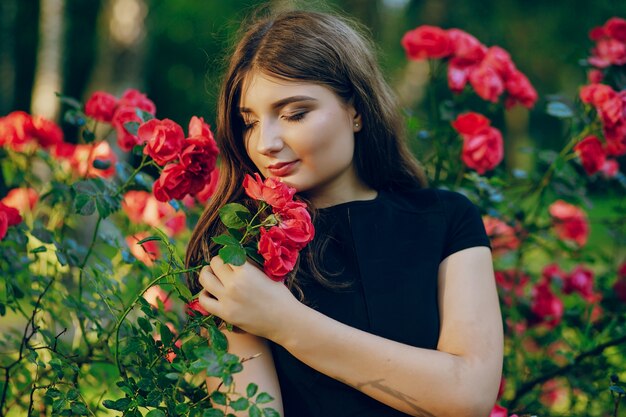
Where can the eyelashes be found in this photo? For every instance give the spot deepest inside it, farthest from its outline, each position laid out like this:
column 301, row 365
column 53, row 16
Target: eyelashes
column 293, row 119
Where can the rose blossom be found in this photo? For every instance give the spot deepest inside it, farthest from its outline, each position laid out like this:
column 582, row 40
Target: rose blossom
column 545, row 305
column 21, row 199
column 134, row 204
column 123, row 115
column 519, row 90
column 46, row 132
column 155, row 294
column 465, row 46
column 194, row 307
column 511, row 283
column 16, row 129
column 135, row 98
column 198, row 156
column 84, row 156
column 205, row 193
column 580, row 280
column 608, row 52
column 426, row 42
column 595, row 76
column 470, row 123
column 8, row 217
column 164, row 139
column 620, row 285
column 551, row 272
column 570, row 222
column 272, row 191
column 101, row 106
column 487, row 83
column 458, row 74
column 147, row 252
column 498, row 411
column 197, row 127
column 278, row 251
column 591, row 154
column 499, row 60
column 174, row 183
column 596, row 94
column 610, row 168
column 295, row 222
column 503, row 237
column 483, row 151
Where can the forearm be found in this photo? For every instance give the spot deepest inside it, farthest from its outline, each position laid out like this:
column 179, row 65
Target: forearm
column 420, row 382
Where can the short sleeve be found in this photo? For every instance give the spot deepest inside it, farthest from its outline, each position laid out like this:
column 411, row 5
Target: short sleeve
column 464, row 225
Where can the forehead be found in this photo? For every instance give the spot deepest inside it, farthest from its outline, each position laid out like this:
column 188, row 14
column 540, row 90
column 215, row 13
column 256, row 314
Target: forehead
column 259, row 89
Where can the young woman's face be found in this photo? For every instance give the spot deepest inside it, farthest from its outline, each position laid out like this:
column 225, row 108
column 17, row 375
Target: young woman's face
column 303, row 134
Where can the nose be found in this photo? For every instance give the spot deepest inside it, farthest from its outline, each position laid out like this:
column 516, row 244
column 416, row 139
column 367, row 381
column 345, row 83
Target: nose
column 269, row 139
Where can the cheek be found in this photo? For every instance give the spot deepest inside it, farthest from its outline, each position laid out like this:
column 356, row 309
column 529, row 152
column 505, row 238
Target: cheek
column 330, row 136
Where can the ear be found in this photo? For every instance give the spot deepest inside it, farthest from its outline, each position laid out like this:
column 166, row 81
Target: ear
column 357, row 123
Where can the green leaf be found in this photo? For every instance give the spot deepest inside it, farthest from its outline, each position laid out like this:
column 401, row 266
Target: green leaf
column 79, row 409
column 234, row 255
column 617, row 389
column 156, row 413
column 42, row 234
column 149, row 239
column 39, row 249
column 144, row 324
column 560, row 110
column 239, row 404
column 270, row 412
column 219, row 398
column 213, row 412
column 254, row 254
column 84, row 205
column 3, row 309
column 166, row 334
column 225, row 240
column 75, row 117
column 88, row 136
column 254, row 411
column 234, row 215
column 132, row 127
column 251, row 389
column 143, row 115
column 218, row 340
column 118, row 405
column 263, row 398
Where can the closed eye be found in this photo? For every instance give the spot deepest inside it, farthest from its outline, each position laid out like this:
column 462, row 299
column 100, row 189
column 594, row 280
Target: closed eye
column 296, row 117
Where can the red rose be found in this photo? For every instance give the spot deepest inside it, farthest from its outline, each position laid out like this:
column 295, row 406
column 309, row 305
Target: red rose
column 597, row 33
column 209, row 188
column 46, row 132
column 21, row 199
column 596, row 94
column 16, row 129
column 84, row 156
column 172, row 184
column 519, row 90
column 608, row 52
column 458, row 74
column 279, row 254
column 553, row 392
column 147, row 252
column 591, row 154
column 135, row 98
column 615, row 28
column 545, row 305
column 470, row 123
column 570, row 222
column 620, row 285
column 8, row 217
column 503, row 237
column 511, row 283
column 134, row 204
column 611, row 111
column 615, row 136
column 194, row 307
column 295, row 222
column 101, row 106
column 164, row 139
column 272, row 191
column 498, row 411
column 465, row 46
column 484, row 150
column 610, row 168
column 579, row 280
column 197, row 127
column 426, row 42
column 125, row 139
column 487, row 83
column 595, row 76
column 198, row 157
column 551, row 272
column 499, row 60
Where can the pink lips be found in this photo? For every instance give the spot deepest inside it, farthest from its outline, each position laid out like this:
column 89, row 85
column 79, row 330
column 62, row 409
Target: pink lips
column 281, row 169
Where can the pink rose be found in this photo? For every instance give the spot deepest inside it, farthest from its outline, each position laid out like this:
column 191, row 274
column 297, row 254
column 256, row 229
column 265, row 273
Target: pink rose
column 164, row 139
column 503, row 237
column 426, row 42
column 272, row 191
column 465, row 46
column 591, row 154
column 458, row 74
column 596, row 94
column 135, row 98
column 277, row 251
column 484, row 150
column 134, row 204
column 487, row 82
column 295, row 222
column 147, row 252
column 500, row 61
column 101, row 106
column 608, row 52
column 570, row 222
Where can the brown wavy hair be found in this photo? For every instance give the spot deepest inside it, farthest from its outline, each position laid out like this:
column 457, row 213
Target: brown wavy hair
column 324, row 49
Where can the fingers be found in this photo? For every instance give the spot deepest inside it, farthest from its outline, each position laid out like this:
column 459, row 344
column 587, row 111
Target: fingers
column 210, row 282
column 209, row 303
column 219, row 266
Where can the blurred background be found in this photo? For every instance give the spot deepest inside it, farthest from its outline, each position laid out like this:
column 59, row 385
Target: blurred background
column 174, row 50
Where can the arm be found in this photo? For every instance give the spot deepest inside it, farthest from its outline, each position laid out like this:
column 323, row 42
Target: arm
column 259, row 369
column 461, row 377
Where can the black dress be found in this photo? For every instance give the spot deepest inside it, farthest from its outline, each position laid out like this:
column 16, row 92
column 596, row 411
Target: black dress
column 389, row 250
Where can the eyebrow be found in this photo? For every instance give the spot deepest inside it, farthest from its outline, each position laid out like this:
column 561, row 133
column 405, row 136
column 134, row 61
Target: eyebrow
column 282, row 102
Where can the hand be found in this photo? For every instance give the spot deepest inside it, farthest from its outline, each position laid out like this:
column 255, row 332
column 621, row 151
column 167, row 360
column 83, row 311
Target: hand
column 245, row 297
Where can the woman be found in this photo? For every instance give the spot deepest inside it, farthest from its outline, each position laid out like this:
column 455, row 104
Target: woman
column 393, row 309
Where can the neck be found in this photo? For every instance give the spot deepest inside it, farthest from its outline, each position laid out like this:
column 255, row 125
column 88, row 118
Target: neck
column 338, row 193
